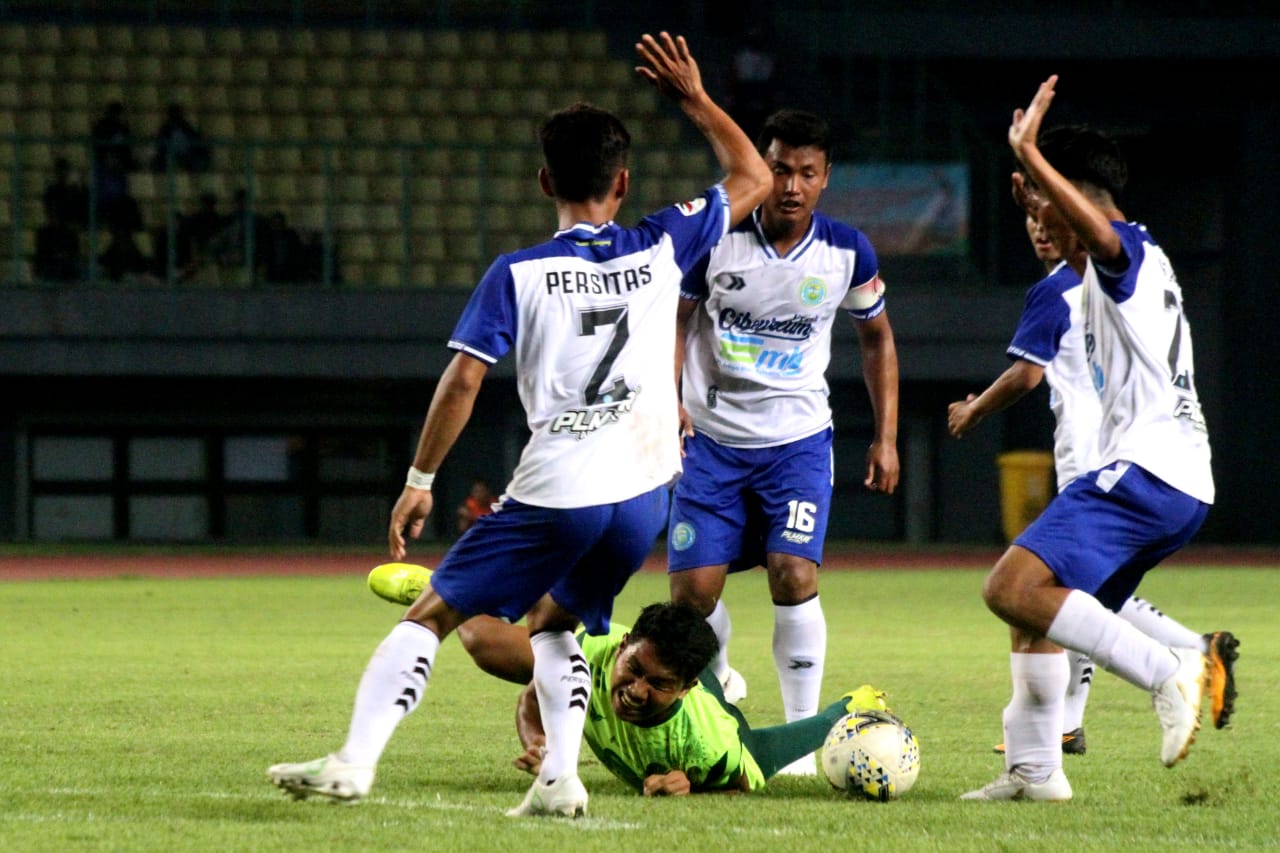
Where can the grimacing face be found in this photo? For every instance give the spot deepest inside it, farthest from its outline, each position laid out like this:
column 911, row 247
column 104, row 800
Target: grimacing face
column 800, row 174
column 643, row 689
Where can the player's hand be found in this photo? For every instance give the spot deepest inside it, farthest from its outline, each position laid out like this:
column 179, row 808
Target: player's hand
column 673, row 784
column 882, row 467
column 670, row 66
column 1026, row 123
column 686, row 427
column 961, row 417
column 531, row 761
column 407, row 517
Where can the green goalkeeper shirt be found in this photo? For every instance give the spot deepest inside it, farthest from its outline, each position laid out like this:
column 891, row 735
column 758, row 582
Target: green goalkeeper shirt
column 700, row 738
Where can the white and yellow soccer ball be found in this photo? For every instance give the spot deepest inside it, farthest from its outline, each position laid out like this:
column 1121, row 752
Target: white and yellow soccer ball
column 871, row 754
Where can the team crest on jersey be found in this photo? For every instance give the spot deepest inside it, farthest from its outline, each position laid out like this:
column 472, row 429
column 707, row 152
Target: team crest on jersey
column 813, row 290
column 683, row 536
column 689, row 208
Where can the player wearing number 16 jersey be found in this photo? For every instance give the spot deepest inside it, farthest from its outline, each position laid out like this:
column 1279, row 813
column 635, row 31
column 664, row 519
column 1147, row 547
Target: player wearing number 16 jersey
column 588, row 316
column 757, row 487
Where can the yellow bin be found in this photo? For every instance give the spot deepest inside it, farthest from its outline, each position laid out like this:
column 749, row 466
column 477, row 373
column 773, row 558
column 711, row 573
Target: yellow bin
column 1026, row 485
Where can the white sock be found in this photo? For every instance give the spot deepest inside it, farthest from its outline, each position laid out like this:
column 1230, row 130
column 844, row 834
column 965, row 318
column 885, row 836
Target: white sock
column 723, row 627
column 1078, row 682
column 1033, row 717
column 563, row 682
column 1144, row 616
column 1085, row 626
column 391, row 687
column 799, row 653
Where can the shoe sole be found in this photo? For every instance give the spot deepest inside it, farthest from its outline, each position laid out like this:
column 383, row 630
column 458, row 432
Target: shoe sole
column 300, row 790
column 1223, row 654
column 1072, row 744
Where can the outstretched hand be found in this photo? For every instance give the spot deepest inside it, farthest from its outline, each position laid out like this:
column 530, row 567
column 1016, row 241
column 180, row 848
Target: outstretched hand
column 670, row 67
column 407, row 518
column 1026, row 123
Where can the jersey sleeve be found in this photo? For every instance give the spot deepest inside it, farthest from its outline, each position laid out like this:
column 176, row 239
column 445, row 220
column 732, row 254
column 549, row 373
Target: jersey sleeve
column 1046, row 316
column 1119, row 279
column 865, row 298
column 694, row 284
column 695, row 225
column 487, row 327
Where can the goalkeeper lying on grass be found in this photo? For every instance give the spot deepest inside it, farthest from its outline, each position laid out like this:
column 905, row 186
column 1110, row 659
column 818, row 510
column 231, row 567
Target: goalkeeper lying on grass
column 655, row 715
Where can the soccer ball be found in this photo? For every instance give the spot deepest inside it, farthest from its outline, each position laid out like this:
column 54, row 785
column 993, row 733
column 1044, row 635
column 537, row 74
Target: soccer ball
column 871, row 753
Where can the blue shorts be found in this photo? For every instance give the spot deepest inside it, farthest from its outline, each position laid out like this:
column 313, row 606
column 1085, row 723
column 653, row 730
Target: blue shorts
column 510, row 558
column 734, row 505
column 1107, row 528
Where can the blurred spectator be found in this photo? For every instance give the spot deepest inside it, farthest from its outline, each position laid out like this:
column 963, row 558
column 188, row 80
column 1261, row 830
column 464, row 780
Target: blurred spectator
column 112, row 135
column 196, row 233
column 313, row 259
column 57, row 256
column 115, row 205
column 281, row 254
column 479, row 502
column 123, row 258
column 228, row 247
column 753, row 82
column 178, row 137
column 66, row 199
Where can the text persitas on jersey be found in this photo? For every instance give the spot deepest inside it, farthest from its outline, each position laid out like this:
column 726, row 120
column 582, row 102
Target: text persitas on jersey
column 569, row 282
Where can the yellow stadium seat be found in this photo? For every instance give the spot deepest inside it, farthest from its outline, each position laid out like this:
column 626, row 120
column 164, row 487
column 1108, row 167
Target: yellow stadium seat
column 357, row 100
column 427, row 101
column 81, row 39
column 480, row 43
column 475, row 72
column 588, row 43
column 311, row 187
column 247, row 99
column 447, row 43
column 228, row 41
column 299, row 40
column 410, row 44
column 15, row 38
column 218, row 69
column 329, row 71
column 400, row 72
column 118, row 39
column 188, row 41
column 154, row 41
column 365, row 72
column 219, row 125
column 288, row 125
column 385, row 218
column 552, row 43
column 289, row 70
column 46, row 38
column 186, row 70
column 284, row 103
column 334, row 42
column 392, row 100
column 519, row 43
column 423, row 274
column 71, row 122
column 213, row 98
column 359, row 248
column 286, row 159
column 328, row 128
column 320, row 99
column 253, row 126
column 351, row 188
column 260, row 41
column 371, row 43
column 253, row 70
column 139, row 68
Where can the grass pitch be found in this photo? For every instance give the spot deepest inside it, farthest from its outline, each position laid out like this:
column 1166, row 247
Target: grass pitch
column 141, row 714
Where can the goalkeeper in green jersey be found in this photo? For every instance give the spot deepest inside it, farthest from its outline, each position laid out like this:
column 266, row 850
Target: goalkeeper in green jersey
column 657, row 720
column 656, row 717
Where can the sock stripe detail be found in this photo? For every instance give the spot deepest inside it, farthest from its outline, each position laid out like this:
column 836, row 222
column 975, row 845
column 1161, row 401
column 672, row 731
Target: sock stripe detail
column 578, row 698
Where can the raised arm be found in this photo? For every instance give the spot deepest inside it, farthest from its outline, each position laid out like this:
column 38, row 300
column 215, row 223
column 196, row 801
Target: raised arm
column 672, row 69
column 1090, row 222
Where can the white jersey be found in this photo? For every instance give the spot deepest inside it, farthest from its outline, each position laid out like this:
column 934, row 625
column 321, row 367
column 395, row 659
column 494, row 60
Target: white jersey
column 1140, row 356
column 590, row 315
column 1050, row 334
column 758, row 345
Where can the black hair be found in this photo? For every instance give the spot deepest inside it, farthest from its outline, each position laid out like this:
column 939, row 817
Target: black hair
column 680, row 635
column 1086, row 156
column 797, row 129
column 584, row 148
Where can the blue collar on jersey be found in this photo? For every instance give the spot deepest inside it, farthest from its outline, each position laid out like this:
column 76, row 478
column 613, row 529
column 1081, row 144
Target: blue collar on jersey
column 797, row 250
column 586, row 229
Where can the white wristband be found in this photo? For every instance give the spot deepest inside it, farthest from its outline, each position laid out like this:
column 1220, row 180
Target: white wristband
column 419, row 479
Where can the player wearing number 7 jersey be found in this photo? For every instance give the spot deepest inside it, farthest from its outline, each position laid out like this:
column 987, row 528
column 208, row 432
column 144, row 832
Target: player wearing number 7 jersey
column 589, row 316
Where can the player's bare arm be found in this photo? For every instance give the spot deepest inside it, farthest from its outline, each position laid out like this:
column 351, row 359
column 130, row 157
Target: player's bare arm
column 880, row 373
column 449, row 412
column 1090, row 222
column 672, row 69
column 684, row 311
column 1017, row 381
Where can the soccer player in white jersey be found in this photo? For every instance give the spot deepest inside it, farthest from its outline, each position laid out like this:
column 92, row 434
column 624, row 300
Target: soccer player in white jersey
column 1049, row 344
column 588, row 317
column 758, row 313
column 1059, row 583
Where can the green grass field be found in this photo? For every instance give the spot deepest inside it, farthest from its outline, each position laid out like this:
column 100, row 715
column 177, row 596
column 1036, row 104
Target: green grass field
column 141, row 714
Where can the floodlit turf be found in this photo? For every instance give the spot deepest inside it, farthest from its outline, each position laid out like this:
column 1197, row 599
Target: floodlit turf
column 141, row 714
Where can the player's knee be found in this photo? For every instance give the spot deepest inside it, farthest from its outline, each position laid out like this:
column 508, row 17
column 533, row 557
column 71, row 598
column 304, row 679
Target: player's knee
column 700, row 599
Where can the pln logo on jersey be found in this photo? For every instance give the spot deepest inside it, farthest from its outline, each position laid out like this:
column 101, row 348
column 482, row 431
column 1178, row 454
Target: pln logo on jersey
column 812, row 291
column 683, row 536
column 689, row 208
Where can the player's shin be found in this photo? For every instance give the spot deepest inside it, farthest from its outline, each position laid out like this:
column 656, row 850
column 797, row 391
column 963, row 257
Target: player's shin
column 391, row 687
column 1033, row 718
column 562, row 680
